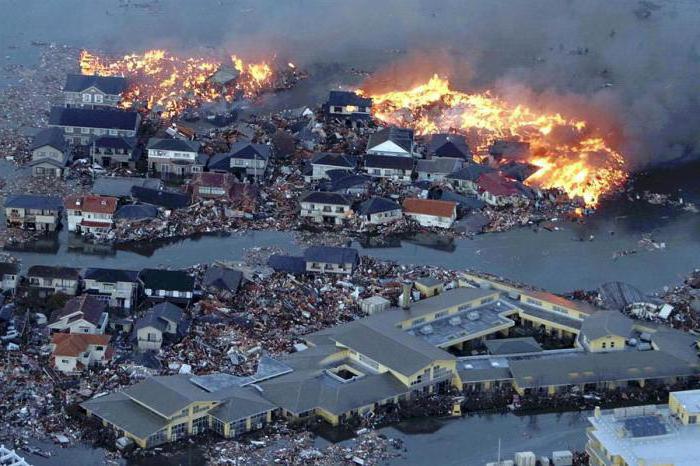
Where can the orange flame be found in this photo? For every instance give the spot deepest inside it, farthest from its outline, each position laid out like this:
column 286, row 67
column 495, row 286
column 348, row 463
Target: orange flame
column 175, row 83
column 584, row 166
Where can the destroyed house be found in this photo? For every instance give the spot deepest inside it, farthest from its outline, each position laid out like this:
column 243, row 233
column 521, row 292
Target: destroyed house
column 347, row 104
column 449, row 146
column 9, row 276
column 327, row 259
column 136, row 213
column 167, row 285
column 74, row 352
column 245, row 159
column 211, row 185
column 325, row 207
column 324, row 162
column 161, row 320
column 53, row 279
column 222, row 281
column 115, row 287
column 115, row 151
column 92, row 91
column 379, row 210
column 294, row 265
column 355, row 185
column 168, row 200
column 387, row 166
column 33, row 212
column 165, row 409
column 81, row 314
column 90, row 214
column 509, row 150
column 431, row 213
column 391, row 141
column 174, row 156
column 81, row 125
column 49, row 153
column 497, row 190
column 466, row 177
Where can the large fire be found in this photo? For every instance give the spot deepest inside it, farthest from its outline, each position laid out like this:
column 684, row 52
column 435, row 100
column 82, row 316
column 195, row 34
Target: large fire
column 569, row 153
column 171, row 83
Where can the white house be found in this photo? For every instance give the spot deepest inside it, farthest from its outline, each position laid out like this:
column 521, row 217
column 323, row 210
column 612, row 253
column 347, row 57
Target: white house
column 327, row 259
column 49, row 153
column 436, row 169
column 49, row 279
column 161, row 319
column 92, row 91
column 379, row 210
column 82, row 125
column 82, row 314
column 74, row 352
column 392, row 141
column 324, row 162
column 9, row 275
column 174, row 156
column 90, row 214
column 245, row 159
column 118, row 288
column 431, row 213
column 167, row 285
column 326, row 207
column 390, row 167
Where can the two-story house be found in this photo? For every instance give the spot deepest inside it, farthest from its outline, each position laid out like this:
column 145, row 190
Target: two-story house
column 211, row 185
column 90, row 214
column 163, row 319
column 73, row 352
column 115, row 151
column 390, row 167
column 33, row 212
column 167, row 285
column 9, row 276
column 326, row 207
column 449, row 146
column 49, row 153
column 326, row 259
column 348, row 105
column 246, row 160
column 118, row 288
column 92, row 91
column 174, row 156
column 392, row 141
column 82, row 125
column 324, row 162
column 82, row 314
column 497, row 190
column 436, row 169
column 48, row 279
column 464, row 179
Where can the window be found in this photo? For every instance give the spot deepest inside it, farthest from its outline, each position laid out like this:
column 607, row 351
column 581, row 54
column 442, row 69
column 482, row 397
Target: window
column 86, row 98
column 257, row 421
column 99, row 348
column 612, row 344
column 152, row 337
column 218, row 426
column 200, row 425
column 440, row 314
column 692, row 419
column 112, row 132
column 85, row 130
column 98, row 98
column 159, row 437
column 603, row 345
column 68, row 129
column 239, row 427
column 533, row 301
column 487, row 300
column 178, row 431
column 338, row 109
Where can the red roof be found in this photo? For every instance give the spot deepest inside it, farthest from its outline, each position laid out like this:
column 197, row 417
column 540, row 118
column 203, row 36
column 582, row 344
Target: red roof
column 95, row 224
column 429, row 207
column 72, row 344
column 212, row 179
column 89, row 203
column 496, row 184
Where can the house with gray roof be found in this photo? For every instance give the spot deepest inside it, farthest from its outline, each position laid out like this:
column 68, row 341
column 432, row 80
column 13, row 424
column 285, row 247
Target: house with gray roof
column 325, row 207
column 449, row 146
column 392, row 141
column 324, row 162
column 50, row 153
column 161, row 321
column 164, row 409
column 222, row 281
column 437, row 169
column 175, row 157
column 167, row 285
column 48, row 279
column 93, row 91
column 116, row 151
column 327, row 259
column 465, row 179
column 116, row 287
column 120, row 186
column 388, row 166
column 606, row 331
column 245, row 159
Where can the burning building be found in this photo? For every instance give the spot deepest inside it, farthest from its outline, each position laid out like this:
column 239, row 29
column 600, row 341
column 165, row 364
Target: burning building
column 164, row 82
column 569, row 153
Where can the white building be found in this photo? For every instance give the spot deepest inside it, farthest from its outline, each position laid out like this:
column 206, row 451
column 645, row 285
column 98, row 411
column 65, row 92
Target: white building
column 82, row 314
column 324, row 162
column 9, row 276
column 74, row 352
column 390, row 167
column 431, row 213
column 174, row 156
column 379, row 210
column 90, row 214
column 48, row 279
column 325, row 207
column 117, row 288
column 392, row 141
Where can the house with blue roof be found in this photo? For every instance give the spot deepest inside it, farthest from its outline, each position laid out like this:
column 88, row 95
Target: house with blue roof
column 92, row 91
column 349, row 105
column 329, row 259
column 82, row 125
column 379, row 210
column 245, row 159
column 49, row 153
column 33, row 212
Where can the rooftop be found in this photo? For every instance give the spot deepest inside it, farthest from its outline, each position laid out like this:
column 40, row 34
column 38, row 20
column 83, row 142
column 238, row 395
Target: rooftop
column 32, row 201
column 53, row 137
column 429, row 207
column 88, row 203
column 348, row 98
column 91, row 118
column 402, row 137
column 107, row 84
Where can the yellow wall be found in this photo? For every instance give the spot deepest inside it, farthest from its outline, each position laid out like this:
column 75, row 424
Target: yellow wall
column 597, row 344
column 428, row 291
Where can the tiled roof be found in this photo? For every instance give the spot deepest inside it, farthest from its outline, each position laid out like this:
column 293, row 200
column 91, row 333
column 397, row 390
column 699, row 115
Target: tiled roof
column 73, row 344
column 53, row 137
column 429, row 207
column 96, row 204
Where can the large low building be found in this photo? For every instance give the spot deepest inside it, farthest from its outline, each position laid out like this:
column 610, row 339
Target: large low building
column 647, row 435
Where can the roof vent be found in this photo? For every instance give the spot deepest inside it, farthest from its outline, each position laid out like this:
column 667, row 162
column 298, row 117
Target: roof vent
column 473, row 315
column 426, row 329
column 455, row 321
